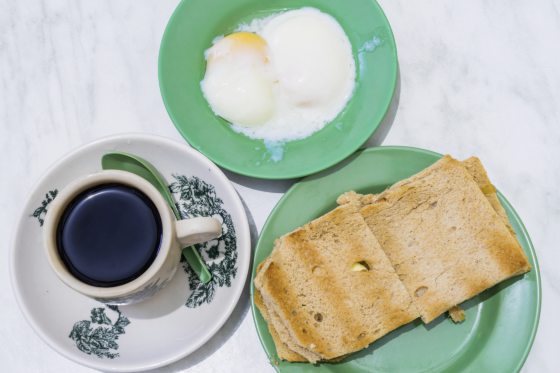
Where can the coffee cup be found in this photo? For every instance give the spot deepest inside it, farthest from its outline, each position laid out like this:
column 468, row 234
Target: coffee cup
column 111, row 236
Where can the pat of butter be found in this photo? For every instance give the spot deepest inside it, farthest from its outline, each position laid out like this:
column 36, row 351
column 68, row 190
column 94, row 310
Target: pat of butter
column 359, row 267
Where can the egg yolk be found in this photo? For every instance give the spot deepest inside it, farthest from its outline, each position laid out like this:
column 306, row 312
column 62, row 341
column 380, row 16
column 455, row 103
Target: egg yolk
column 239, row 43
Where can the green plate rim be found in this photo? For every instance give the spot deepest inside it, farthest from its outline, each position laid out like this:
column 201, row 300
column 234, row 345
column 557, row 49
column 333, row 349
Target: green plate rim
column 503, row 200
column 311, row 170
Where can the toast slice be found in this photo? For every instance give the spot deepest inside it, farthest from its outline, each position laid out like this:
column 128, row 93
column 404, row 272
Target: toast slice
column 475, row 168
column 444, row 238
column 332, row 287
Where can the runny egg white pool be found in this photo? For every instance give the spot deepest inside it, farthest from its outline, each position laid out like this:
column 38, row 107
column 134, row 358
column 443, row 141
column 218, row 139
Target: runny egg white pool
column 283, row 77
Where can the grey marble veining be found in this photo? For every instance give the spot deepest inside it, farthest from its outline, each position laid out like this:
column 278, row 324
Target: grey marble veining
column 477, row 77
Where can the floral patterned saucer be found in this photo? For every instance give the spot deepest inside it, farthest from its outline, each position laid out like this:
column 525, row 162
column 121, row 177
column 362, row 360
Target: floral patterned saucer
column 179, row 318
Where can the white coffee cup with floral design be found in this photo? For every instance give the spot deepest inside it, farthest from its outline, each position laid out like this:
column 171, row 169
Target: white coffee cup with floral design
column 175, row 234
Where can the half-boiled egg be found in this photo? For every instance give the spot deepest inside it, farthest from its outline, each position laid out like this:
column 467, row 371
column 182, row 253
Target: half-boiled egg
column 283, row 77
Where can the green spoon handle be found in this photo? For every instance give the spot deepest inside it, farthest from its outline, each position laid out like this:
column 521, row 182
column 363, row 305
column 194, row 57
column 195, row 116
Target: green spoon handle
column 197, row 264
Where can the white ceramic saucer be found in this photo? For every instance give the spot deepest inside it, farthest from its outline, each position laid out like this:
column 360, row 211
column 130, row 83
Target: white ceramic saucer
column 178, row 319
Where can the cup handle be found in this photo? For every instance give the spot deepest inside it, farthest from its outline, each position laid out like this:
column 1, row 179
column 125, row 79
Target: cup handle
column 197, row 230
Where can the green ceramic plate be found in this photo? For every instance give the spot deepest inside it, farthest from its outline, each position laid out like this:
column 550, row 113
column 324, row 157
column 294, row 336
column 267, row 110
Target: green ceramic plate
column 191, row 29
column 500, row 323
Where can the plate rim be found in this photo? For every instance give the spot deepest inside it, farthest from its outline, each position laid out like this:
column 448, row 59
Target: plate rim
column 311, row 171
column 534, row 322
column 244, row 231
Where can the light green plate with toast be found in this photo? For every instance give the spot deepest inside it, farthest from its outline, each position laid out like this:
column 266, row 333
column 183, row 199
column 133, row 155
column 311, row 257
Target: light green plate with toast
column 190, row 31
column 500, row 323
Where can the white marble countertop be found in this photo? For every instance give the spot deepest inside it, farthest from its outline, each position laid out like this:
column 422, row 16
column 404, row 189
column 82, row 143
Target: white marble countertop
column 477, row 77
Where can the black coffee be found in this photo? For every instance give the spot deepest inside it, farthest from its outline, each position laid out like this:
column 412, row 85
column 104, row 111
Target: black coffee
column 109, row 235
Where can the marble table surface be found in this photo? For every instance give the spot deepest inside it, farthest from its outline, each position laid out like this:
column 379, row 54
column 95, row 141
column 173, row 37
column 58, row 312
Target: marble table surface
column 476, row 77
